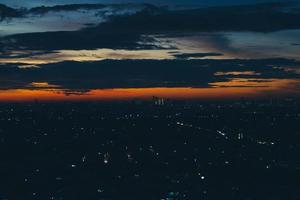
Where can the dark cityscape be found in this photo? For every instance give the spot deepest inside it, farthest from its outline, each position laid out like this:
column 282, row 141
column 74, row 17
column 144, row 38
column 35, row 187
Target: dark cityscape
column 244, row 149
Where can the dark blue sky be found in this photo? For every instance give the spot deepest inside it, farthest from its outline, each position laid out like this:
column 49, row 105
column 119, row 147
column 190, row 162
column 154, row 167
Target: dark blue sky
column 30, row 3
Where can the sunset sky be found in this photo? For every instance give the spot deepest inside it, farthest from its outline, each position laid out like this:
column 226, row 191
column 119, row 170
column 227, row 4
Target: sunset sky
column 99, row 51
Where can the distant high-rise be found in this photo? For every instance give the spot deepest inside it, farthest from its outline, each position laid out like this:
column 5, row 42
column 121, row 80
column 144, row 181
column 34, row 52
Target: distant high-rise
column 158, row 101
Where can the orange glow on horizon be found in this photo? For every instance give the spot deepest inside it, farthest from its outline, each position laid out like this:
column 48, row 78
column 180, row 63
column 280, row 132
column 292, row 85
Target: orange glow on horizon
column 20, row 95
column 234, row 88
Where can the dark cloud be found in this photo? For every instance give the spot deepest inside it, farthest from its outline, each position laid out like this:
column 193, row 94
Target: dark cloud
column 261, row 18
column 76, row 40
column 6, row 12
column 71, row 7
column 126, row 31
column 143, row 73
column 195, row 55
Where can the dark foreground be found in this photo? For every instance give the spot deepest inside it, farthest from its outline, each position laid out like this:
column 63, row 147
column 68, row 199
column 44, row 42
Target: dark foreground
column 134, row 150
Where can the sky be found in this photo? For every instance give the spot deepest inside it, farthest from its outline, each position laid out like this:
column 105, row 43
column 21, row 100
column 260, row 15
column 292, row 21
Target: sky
column 237, row 53
column 32, row 3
